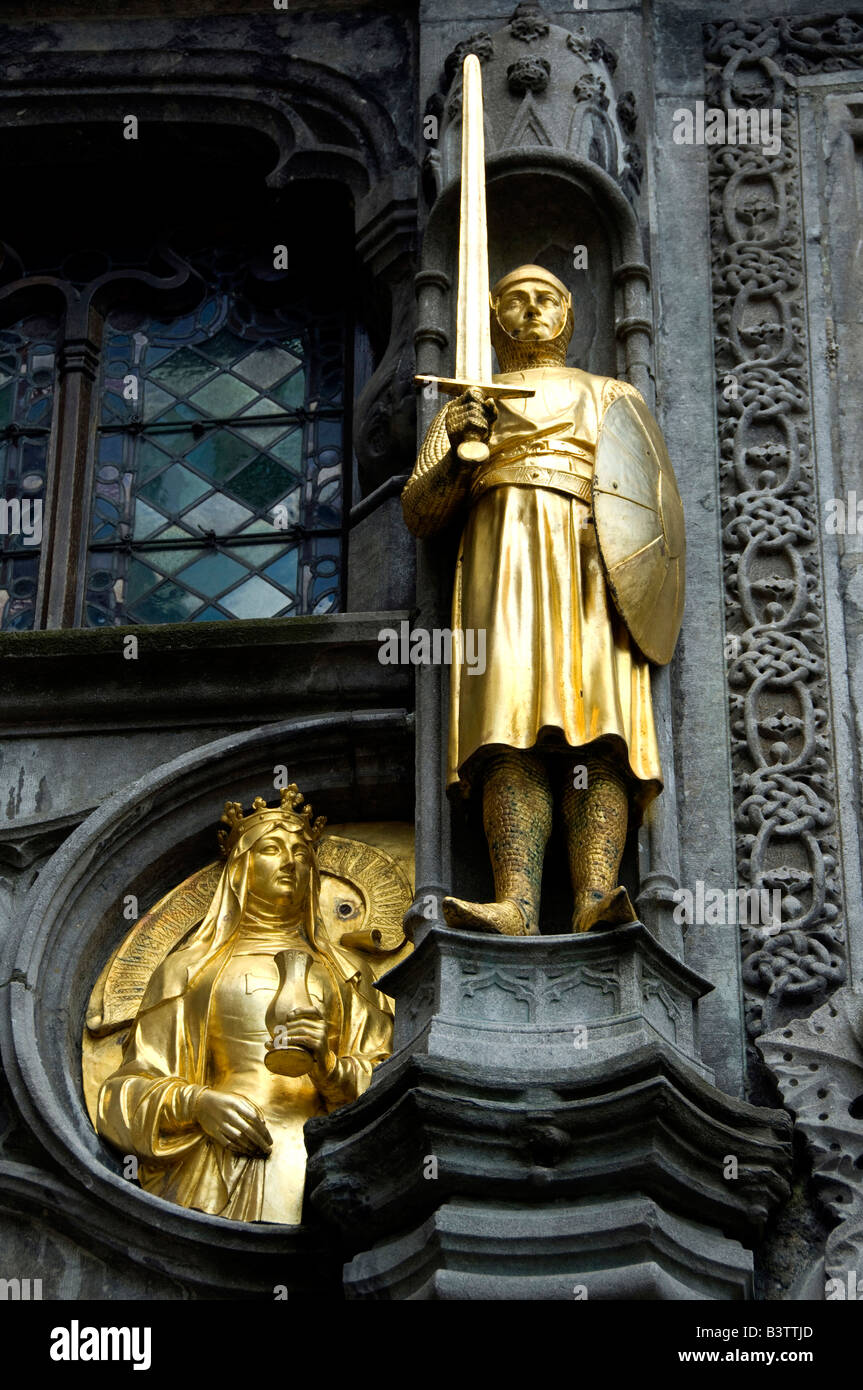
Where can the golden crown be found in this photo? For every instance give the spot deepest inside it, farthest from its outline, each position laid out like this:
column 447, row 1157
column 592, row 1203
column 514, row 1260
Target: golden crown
column 290, row 809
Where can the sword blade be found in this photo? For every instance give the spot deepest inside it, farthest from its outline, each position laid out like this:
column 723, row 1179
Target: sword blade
column 473, row 333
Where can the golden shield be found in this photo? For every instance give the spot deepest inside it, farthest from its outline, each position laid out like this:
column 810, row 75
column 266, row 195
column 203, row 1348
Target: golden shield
column 640, row 526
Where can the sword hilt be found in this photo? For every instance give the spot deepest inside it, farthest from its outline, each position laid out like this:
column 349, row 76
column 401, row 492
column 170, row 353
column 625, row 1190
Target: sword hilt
column 456, row 386
column 473, row 448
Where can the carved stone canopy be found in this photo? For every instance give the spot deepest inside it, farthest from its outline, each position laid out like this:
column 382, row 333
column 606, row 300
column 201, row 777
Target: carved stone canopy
column 543, row 86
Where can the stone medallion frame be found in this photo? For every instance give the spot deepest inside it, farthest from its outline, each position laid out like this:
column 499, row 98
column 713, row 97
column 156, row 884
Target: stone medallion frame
column 143, row 840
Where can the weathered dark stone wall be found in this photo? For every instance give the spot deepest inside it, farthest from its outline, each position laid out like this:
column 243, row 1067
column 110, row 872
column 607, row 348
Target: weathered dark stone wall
column 705, row 265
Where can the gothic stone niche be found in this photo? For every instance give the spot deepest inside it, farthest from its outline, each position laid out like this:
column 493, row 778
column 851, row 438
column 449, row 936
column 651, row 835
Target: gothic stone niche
column 318, row 943
column 560, row 228
column 145, row 840
column 545, row 86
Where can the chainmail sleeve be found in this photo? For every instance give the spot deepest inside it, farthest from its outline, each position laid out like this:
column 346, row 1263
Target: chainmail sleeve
column 438, row 485
column 613, row 389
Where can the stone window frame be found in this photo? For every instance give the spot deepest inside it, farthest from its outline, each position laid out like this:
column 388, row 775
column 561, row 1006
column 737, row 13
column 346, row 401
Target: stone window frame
column 82, row 314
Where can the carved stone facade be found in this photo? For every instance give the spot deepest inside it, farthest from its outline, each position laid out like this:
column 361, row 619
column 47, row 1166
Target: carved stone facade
column 580, row 1096
column 573, row 72
column 780, row 709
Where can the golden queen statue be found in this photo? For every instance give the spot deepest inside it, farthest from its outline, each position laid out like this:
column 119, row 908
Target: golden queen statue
column 253, row 1022
column 571, row 561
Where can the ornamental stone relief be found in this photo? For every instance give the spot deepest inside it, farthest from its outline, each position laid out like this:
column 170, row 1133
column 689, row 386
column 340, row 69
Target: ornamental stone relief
column 779, row 702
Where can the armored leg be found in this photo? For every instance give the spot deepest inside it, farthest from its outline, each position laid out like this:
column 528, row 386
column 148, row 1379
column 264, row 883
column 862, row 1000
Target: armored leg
column 517, row 809
column 595, row 819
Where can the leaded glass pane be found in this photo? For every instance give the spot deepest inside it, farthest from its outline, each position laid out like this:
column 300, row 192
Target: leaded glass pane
column 220, row 466
column 27, row 355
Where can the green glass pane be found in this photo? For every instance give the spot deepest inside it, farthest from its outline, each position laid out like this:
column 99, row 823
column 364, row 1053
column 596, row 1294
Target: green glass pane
column 174, row 489
column 167, row 604
column 223, row 397
column 146, row 521
column 170, row 560
column 262, row 436
column 212, row 573
column 218, row 513
column 256, row 556
column 261, row 483
column 290, row 451
column 173, row 442
column 150, row 460
column 155, row 400
column 225, row 347
column 254, row 599
column 210, row 615
column 140, row 580
column 7, row 404
column 284, row 571
column 175, row 533
column 264, row 406
column 292, row 392
column 265, row 366
column 180, row 414
column 182, row 371
column 220, row 455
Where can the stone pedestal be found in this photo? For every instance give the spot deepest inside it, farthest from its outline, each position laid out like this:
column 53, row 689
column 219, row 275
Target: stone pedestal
column 545, row 1129
column 620, row 1248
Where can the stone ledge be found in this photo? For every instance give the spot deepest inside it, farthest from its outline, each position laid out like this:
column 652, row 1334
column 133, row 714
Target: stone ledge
column 197, row 672
column 216, row 1258
column 644, row 1122
column 621, row 1248
column 544, row 1000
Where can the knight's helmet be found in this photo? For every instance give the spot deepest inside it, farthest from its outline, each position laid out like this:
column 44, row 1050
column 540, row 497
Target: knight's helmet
column 515, row 356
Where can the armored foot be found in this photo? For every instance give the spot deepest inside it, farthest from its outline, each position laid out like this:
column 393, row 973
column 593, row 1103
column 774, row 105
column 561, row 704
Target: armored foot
column 605, row 910
column 507, row 917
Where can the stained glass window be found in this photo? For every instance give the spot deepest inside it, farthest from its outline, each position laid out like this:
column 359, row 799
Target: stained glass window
column 27, row 362
column 219, row 467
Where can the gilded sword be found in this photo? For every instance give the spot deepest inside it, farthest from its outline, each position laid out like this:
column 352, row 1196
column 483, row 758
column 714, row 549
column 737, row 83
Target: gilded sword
column 473, row 334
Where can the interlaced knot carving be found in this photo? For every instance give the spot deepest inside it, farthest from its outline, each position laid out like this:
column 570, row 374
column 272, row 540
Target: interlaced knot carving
column 785, row 799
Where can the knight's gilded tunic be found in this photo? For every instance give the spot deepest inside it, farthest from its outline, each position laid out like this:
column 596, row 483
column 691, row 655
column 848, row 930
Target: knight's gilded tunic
column 561, row 670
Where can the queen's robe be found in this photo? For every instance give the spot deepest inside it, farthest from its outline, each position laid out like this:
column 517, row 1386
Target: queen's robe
column 205, row 1025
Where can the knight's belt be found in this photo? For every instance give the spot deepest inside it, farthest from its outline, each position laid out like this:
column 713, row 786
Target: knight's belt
column 519, row 466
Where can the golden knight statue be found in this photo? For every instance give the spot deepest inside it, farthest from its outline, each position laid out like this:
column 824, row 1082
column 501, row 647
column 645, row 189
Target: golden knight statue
column 571, row 561
column 258, row 1018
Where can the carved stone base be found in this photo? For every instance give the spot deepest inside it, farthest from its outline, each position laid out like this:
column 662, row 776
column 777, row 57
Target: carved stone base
column 544, row 1001
column 546, row 1123
column 624, row 1248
